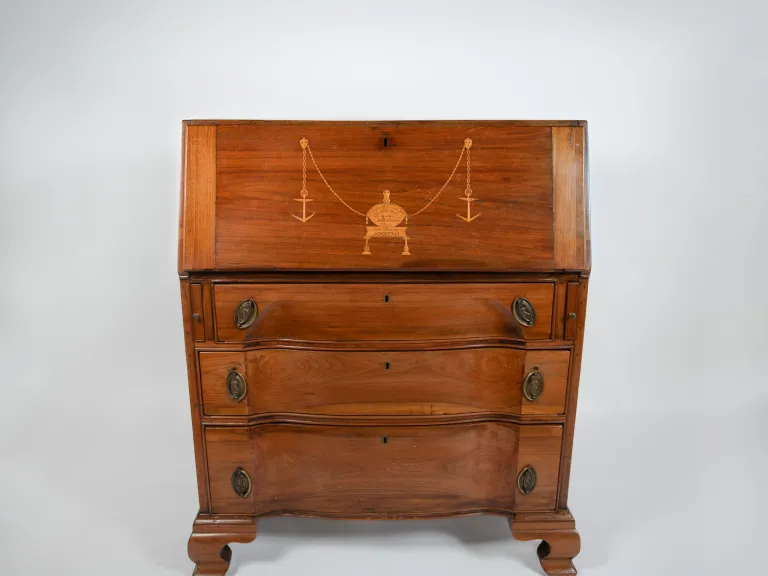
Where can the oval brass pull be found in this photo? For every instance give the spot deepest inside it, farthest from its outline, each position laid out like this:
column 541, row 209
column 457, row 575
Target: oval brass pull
column 533, row 385
column 526, row 481
column 237, row 386
column 524, row 312
column 241, row 483
column 246, row 313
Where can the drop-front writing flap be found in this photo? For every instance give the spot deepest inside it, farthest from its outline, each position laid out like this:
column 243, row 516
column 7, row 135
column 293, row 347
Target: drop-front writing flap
column 506, row 196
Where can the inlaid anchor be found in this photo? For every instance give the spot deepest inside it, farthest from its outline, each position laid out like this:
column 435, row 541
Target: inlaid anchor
column 468, row 192
column 304, row 192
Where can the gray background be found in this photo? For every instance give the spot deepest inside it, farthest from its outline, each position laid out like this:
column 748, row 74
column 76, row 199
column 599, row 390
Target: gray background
column 97, row 472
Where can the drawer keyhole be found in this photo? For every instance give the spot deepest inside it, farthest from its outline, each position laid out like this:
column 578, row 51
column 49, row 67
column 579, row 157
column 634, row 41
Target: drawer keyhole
column 386, row 366
column 384, row 440
column 386, row 298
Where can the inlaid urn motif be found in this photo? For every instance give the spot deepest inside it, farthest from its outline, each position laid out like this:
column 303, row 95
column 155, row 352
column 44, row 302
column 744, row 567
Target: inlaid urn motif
column 386, row 217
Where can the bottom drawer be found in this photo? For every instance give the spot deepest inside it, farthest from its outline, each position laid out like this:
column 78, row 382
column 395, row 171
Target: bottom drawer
column 386, row 472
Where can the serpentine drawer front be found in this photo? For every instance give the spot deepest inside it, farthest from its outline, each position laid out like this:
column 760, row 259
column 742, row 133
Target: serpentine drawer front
column 383, row 320
column 371, row 471
column 433, row 382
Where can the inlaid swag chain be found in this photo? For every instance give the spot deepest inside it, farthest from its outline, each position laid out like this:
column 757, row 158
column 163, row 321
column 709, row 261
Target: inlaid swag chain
column 312, row 156
column 305, row 145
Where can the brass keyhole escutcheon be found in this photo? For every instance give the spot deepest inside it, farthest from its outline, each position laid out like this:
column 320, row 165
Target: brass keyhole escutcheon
column 246, row 313
column 526, row 481
column 524, row 312
column 241, row 483
column 237, row 385
column 533, row 385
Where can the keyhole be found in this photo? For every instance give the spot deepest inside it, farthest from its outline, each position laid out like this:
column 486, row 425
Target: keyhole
column 384, row 440
column 386, row 141
column 386, row 366
column 386, row 298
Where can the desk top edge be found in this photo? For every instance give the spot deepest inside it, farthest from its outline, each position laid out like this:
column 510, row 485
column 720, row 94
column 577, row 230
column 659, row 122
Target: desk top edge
column 232, row 122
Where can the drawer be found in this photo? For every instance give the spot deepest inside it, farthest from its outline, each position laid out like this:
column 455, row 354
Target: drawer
column 337, row 312
column 499, row 380
column 383, row 472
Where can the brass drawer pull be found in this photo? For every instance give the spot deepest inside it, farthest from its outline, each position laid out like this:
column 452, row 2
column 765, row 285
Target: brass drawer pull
column 533, row 385
column 526, row 481
column 237, row 385
column 241, row 483
column 246, row 313
column 524, row 312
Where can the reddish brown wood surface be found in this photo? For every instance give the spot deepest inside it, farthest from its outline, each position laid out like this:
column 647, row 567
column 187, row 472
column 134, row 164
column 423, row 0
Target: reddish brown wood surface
column 383, row 472
column 570, row 204
column 214, row 369
column 573, row 394
column 198, row 317
column 194, row 397
column 198, row 199
column 209, row 544
column 259, row 176
column 385, row 383
column 572, row 310
column 382, row 312
column 560, row 540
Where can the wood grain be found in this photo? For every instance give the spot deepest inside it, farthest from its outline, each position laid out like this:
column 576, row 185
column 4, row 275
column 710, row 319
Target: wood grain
column 382, row 311
column 559, row 303
column 380, row 277
column 195, row 402
column 385, row 383
column 259, row 174
column 210, row 333
column 373, row 123
column 214, row 369
column 560, row 540
column 573, row 394
column 380, row 420
column 209, row 544
column 572, row 310
column 380, row 472
column 199, row 199
column 570, row 207
column 554, row 366
column 198, row 316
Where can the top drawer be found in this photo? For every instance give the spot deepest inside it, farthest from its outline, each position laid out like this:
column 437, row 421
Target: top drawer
column 342, row 312
column 505, row 196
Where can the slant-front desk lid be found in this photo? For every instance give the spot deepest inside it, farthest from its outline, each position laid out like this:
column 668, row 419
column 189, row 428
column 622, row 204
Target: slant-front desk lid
column 485, row 195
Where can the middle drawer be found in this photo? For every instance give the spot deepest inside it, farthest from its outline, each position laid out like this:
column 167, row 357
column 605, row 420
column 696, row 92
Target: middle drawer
column 434, row 382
